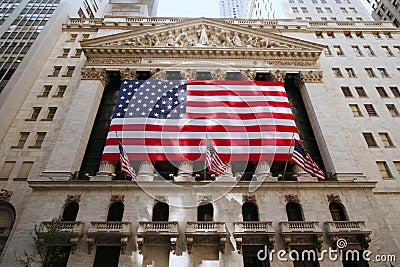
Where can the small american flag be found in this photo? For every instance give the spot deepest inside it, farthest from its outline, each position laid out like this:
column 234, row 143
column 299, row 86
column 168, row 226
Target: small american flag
column 214, row 162
column 304, row 160
column 126, row 165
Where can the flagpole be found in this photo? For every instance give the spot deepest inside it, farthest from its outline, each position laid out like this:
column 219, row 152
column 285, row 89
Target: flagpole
column 288, row 155
column 205, row 160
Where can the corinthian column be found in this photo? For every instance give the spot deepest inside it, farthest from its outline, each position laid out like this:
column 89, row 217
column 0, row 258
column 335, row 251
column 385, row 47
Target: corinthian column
column 185, row 172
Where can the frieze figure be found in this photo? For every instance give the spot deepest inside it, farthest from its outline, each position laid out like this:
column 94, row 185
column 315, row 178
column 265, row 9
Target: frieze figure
column 203, row 36
column 170, row 41
column 236, row 40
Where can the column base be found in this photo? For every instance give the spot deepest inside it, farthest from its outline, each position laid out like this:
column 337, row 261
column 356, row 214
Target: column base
column 101, row 177
column 184, row 178
column 225, row 178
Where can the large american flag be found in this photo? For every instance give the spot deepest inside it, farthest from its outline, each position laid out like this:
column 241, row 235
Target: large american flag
column 168, row 120
column 304, row 160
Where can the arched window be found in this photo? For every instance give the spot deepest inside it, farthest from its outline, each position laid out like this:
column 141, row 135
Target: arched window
column 205, row 212
column 250, row 211
column 337, row 211
column 160, row 212
column 70, row 212
column 115, row 212
column 294, row 212
column 7, row 218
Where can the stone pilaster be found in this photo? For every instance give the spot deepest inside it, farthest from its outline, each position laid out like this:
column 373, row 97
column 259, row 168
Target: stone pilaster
column 185, row 172
column 278, row 76
column 263, row 170
column 146, row 171
column 69, row 148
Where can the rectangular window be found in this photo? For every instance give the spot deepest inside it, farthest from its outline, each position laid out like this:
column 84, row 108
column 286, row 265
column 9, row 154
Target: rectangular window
column 45, row 91
column 369, row 51
column 56, row 71
column 387, row 50
column 357, row 51
column 392, row 110
column 346, row 91
column 51, row 112
column 370, row 72
column 34, row 114
column 369, row 139
column 395, row 91
column 337, row 73
column 65, row 52
column 24, row 170
column 330, row 35
column 376, row 35
column 304, row 10
column 319, row 10
column 60, row 91
column 327, row 51
column 384, row 169
column 70, row 71
column 85, row 37
column 23, row 136
column 381, row 91
column 338, row 50
column 343, row 9
column 351, row 73
column 360, row 35
column 361, row 92
column 355, row 110
column 397, row 47
column 383, row 72
column 387, row 142
column 319, row 35
column 370, row 110
column 38, row 140
column 328, row 9
column 295, row 10
column 72, row 37
column 78, row 53
column 7, row 168
column 397, row 165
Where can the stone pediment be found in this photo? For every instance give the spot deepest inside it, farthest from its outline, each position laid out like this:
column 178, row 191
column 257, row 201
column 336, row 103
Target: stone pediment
column 202, row 37
column 201, row 32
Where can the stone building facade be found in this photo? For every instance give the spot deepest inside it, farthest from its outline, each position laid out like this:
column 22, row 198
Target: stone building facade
column 342, row 82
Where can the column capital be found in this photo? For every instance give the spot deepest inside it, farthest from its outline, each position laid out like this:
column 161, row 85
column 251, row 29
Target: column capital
column 218, row 74
column 128, row 74
column 94, row 74
column 188, row 74
column 278, row 76
column 158, row 74
column 311, row 76
column 248, row 74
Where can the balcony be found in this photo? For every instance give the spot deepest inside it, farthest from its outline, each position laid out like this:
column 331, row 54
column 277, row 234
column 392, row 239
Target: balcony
column 109, row 233
column 152, row 233
column 206, row 233
column 301, row 233
column 73, row 231
column 253, row 233
column 355, row 233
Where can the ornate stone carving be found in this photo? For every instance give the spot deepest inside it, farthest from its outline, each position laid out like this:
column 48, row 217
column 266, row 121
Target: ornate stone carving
column 292, row 198
column 74, row 241
column 248, row 74
column 113, row 61
column 222, row 242
column 311, row 76
column 291, row 63
column 72, row 198
column 94, row 74
column 128, row 74
column 251, row 198
column 90, row 242
column 278, row 76
column 172, row 241
column 188, row 74
column 140, row 244
column 218, row 75
column 124, row 244
column 189, row 243
column 333, row 197
column 117, row 198
column 158, row 74
column 5, row 195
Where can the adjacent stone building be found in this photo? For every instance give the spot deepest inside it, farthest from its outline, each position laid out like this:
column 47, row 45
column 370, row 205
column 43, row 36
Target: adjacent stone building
column 342, row 80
